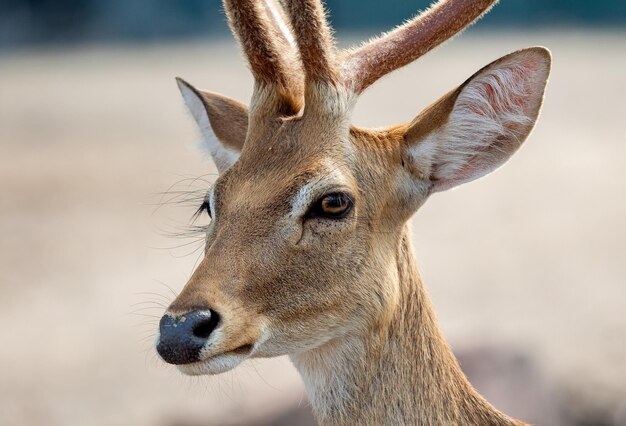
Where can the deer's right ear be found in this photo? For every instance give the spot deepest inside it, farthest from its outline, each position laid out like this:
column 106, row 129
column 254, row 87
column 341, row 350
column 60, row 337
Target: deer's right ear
column 223, row 123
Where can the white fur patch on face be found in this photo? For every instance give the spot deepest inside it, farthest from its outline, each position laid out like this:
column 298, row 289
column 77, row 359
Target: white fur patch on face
column 266, row 334
column 312, row 190
column 212, row 201
column 214, row 365
column 215, row 339
column 223, row 156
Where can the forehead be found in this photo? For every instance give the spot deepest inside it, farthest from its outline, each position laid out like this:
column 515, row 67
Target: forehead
column 285, row 184
column 262, row 180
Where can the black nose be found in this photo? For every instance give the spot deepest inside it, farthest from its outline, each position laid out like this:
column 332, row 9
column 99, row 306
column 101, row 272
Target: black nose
column 182, row 337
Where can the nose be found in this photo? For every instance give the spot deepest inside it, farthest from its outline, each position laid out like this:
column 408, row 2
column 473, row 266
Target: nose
column 182, row 337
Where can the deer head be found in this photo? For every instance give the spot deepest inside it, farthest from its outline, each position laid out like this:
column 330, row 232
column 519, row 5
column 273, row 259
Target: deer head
column 308, row 211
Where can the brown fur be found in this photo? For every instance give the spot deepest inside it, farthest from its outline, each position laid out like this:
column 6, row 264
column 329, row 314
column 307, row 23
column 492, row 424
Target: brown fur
column 408, row 42
column 315, row 41
column 342, row 297
column 426, row 387
column 272, row 61
column 228, row 117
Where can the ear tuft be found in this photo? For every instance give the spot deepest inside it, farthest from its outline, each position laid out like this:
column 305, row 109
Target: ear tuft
column 223, row 123
column 492, row 114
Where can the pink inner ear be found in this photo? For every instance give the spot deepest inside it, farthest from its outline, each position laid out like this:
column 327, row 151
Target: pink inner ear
column 523, row 73
column 519, row 74
column 491, row 118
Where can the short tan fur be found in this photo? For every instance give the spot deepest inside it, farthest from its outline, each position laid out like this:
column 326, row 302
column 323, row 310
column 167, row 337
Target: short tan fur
column 341, row 295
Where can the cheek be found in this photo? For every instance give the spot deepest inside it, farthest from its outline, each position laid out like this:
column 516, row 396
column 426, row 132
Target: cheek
column 320, row 235
column 330, row 231
column 311, row 279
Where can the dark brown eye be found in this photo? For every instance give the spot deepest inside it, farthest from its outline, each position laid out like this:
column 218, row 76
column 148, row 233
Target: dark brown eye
column 333, row 206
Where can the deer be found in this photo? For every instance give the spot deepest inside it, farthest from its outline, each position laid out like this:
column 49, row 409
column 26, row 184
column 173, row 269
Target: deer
column 308, row 251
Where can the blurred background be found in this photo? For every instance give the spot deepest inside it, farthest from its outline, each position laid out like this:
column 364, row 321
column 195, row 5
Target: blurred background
column 100, row 172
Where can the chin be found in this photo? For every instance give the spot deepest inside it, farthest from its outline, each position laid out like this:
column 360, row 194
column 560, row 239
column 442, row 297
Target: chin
column 215, row 365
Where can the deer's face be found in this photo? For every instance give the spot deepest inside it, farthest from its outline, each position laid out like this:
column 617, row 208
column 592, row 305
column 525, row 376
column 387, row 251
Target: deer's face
column 308, row 212
column 297, row 247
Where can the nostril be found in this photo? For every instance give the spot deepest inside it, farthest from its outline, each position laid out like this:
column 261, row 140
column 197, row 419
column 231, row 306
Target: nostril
column 182, row 337
column 204, row 328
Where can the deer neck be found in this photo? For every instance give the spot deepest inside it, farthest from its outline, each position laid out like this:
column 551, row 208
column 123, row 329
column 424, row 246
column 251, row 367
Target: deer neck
column 400, row 371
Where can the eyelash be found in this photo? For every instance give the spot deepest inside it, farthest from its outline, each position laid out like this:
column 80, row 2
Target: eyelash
column 315, row 210
column 204, row 207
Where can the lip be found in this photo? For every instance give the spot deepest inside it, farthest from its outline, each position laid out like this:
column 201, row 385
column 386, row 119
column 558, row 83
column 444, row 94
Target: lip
column 218, row 363
column 243, row 349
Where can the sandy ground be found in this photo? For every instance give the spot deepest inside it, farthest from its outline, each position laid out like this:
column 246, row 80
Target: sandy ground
column 530, row 261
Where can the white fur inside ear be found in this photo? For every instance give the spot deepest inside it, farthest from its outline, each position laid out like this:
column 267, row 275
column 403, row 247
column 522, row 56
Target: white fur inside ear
column 490, row 120
column 223, row 156
column 489, row 109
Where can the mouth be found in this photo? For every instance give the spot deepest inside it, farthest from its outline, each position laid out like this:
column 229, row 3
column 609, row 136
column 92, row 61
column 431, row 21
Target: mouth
column 218, row 363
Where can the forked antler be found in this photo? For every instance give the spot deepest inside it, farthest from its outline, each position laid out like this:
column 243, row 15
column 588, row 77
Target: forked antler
column 408, row 42
column 314, row 39
column 268, row 46
column 277, row 15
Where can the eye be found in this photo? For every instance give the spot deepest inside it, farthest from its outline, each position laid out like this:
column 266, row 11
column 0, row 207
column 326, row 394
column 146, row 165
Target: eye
column 204, row 207
column 332, row 206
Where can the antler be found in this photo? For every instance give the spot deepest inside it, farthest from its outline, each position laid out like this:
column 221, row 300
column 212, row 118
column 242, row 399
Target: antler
column 314, row 39
column 408, row 42
column 276, row 14
column 268, row 45
column 271, row 48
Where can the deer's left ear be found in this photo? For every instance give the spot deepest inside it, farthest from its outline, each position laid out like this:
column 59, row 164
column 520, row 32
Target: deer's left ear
column 223, row 123
column 476, row 128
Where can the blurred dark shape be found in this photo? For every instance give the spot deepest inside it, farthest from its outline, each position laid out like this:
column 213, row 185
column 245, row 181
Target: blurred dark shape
column 59, row 20
column 25, row 22
column 300, row 415
column 515, row 384
column 598, row 411
column 381, row 14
